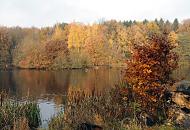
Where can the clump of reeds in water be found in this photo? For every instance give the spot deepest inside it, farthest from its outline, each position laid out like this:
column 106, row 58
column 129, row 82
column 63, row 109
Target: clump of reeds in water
column 105, row 109
column 108, row 109
column 18, row 115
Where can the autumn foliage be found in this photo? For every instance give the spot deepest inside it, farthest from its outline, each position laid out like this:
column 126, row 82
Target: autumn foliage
column 5, row 47
column 77, row 45
column 149, row 68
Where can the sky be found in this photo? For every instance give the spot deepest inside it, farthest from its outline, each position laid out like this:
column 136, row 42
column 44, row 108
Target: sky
column 40, row 13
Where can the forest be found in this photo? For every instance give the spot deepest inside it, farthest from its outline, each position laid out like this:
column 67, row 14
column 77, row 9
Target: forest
column 150, row 95
column 77, row 45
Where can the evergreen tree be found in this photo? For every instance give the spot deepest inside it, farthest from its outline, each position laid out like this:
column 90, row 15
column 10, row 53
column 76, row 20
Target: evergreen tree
column 161, row 24
column 134, row 22
column 175, row 24
column 145, row 21
column 126, row 23
column 130, row 22
column 156, row 21
column 168, row 26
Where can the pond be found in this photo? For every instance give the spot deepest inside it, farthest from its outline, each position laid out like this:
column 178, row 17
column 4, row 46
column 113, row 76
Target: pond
column 49, row 88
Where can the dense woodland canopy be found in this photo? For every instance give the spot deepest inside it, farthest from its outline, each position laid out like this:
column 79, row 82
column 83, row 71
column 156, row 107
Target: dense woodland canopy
column 76, row 45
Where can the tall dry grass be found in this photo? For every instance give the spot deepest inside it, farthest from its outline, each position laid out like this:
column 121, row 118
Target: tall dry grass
column 18, row 115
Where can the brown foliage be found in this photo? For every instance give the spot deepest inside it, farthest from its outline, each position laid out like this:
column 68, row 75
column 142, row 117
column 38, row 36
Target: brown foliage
column 149, row 69
column 185, row 26
column 43, row 55
column 54, row 47
column 5, row 49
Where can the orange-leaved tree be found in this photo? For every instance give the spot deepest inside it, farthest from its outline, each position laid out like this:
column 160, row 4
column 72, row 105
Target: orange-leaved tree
column 149, row 68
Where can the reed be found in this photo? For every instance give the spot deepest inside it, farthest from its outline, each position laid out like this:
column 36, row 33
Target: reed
column 18, row 115
column 107, row 110
column 103, row 109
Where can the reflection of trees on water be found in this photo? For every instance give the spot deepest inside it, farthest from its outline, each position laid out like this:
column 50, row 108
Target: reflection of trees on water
column 40, row 83
column 58, row 83
column 36, row 84
column 52, row 87
column 100, row 79
column 7, row 79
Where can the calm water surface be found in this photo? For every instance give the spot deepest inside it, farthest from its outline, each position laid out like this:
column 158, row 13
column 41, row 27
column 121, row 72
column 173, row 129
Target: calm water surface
column 50, row 88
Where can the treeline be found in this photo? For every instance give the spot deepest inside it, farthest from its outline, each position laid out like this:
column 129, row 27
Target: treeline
column 77, row 45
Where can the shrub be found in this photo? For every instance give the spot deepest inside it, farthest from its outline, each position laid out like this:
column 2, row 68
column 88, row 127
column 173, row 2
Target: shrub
column 148, row 72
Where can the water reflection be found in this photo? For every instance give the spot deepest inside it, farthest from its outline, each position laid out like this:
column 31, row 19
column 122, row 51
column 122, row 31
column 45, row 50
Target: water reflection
column 50, row 88
column 48, row 109
column 35, row 83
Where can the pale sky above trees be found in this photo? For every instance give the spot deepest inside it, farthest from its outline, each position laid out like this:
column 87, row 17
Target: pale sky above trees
column 27, row 13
